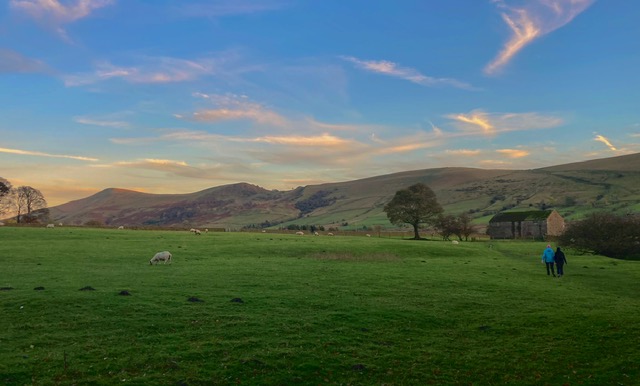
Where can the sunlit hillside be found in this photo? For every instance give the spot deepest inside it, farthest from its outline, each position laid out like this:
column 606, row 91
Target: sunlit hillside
column 611, row 184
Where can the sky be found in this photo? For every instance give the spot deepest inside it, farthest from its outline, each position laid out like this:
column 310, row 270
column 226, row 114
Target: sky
column 177, row 96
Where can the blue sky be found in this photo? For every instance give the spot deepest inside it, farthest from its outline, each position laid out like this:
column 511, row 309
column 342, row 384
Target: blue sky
column 176, row 96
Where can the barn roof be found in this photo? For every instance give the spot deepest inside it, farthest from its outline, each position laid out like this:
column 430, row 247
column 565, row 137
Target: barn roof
column 531, row 215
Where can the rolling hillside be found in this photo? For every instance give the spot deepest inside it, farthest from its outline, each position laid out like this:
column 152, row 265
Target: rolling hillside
column 611, row 184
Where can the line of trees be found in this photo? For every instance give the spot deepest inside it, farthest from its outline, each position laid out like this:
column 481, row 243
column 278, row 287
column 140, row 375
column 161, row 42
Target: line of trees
column 25, row 202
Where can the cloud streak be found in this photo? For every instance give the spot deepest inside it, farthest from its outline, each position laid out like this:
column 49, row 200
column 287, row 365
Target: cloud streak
column 101, row 122
column 531, row 20
column 14, row 62
column 602, row 139
column 392, row 69
column 41, row 154
column 152, row 70
column 55, row 14
column 226, row 8
column 480, row 122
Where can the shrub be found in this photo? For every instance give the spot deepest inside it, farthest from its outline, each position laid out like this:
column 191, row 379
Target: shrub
column 605, row 234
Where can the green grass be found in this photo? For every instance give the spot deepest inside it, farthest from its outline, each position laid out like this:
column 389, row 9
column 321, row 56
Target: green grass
column 316, row 310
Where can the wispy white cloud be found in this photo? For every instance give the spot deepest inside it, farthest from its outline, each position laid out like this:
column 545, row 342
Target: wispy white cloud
column 605, row 140
column 14, row 62
column 101, row 122
column 531, row 19
column 389, row 68
column 54, row 9
column 482, row 123
column 151, row 70
column 41, row 154
column 225, row 8
column 55, row 14
column 233, row 107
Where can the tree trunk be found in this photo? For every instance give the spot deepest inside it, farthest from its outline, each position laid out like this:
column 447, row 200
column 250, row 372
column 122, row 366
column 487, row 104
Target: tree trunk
column 416, row 235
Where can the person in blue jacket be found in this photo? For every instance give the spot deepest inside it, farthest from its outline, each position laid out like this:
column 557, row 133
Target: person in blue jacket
column 548, row 259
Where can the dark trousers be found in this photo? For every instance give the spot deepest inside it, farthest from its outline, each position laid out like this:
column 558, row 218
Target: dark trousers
column 560, row 269
column 550, row 269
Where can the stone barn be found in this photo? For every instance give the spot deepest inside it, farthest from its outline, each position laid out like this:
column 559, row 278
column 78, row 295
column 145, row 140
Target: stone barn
column 535, row 224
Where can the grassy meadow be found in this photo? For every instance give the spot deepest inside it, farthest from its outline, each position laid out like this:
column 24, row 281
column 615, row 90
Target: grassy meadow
column 262, row 309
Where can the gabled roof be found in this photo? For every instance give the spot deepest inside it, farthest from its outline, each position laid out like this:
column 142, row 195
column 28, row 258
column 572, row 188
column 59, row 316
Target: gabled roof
column 531, row 215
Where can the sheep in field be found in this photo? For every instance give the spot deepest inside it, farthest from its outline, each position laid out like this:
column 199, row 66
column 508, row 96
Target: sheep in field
column 300, row 233
column 161, row 256
column 197, row 232
column 50, row 226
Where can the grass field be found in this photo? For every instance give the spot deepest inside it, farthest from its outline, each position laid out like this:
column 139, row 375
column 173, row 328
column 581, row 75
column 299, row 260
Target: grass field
column 308, row 310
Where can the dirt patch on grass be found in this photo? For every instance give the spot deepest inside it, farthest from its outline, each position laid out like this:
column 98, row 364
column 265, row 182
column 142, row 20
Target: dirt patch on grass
column 347, row 256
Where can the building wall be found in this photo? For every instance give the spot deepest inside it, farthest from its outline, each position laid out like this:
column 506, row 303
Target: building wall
column 555, row 224
column 519, row 229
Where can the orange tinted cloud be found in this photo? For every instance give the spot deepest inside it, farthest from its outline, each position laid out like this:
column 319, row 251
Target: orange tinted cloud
column 513, row 153
column 41, row 154
column 606, row 141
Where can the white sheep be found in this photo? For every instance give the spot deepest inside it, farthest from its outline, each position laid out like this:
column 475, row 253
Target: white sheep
column 197, row 232
column 51, row 226
column 368, row 235
column 316, row 234
column 300, row 233
column 121, row 227
column 164, row 256
column 329, row 234
column 455, row 242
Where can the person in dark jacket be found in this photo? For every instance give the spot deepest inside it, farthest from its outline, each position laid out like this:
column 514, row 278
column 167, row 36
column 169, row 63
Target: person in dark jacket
column 561, row 260
column 547, row 258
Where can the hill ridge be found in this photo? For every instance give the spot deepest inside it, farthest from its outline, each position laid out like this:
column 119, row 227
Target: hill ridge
column 573, row 189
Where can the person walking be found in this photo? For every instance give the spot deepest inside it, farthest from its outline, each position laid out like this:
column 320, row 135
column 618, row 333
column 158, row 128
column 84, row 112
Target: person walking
column 560, row 260
column 547, row 258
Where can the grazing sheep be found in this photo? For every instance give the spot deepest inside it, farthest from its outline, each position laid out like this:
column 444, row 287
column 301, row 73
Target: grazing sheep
column 300, row 233
column 455, row 242
column 316, row 234
column 120, row 227
column 329, row 234
column 368, row 235
column 192, row 230
column 197, row 232
column 51, row 226
column 206, row 230
column 161, row 256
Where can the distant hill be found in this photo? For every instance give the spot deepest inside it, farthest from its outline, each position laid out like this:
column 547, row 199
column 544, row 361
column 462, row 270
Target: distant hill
column 575, row 189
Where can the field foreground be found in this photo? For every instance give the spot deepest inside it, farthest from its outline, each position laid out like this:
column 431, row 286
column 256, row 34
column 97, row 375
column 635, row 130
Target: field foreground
column 260, row 308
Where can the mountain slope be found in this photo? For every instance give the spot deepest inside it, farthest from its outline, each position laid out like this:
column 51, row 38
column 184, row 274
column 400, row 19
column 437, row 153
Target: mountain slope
column 573, row 189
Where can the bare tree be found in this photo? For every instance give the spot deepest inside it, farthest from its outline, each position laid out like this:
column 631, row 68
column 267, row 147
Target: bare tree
column 465, row 226
column 5, row 196
column 27, row 201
